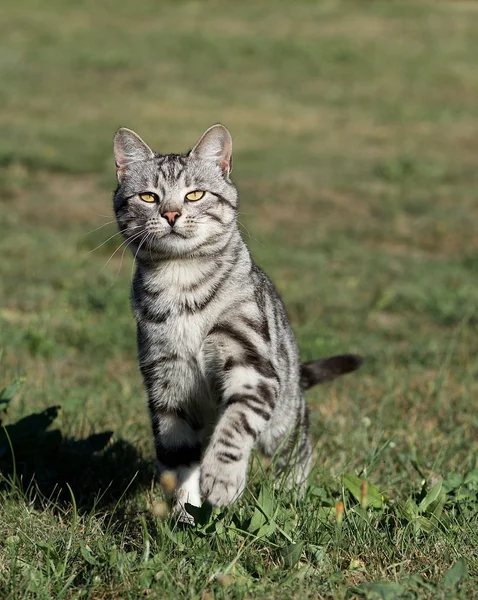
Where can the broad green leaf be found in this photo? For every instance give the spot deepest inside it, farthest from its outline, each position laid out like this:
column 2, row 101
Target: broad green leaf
column 266, row 501
column 318, row 492
column 457, row 574
column 424, row 524
column 463, row 494
column 7, row 393
column 146, row 579
column 87, row 554
column 354, row 485
column 432, row 496
column 319, row 553
column 472, row 477
column 264, row 510
column 325, row 513
column 410, row 510
column 266, row 529
column 452, row 482
column 289, row 522
column 257, row 521
column 437, row 507
column 113, row 556
column 292, row 553
column 49, row 552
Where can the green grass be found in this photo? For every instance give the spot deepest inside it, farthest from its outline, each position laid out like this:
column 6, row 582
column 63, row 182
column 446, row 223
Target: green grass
column 355, row 130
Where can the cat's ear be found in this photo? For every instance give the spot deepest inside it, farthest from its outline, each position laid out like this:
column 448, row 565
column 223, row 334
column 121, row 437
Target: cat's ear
column 216, row 145
column 129, row 148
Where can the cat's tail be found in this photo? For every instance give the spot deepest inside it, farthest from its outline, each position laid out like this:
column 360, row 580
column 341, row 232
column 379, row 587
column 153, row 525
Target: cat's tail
column 327, row 369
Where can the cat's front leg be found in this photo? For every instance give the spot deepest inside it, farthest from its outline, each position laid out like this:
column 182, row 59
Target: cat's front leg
column 178, row 450
column 248, row 401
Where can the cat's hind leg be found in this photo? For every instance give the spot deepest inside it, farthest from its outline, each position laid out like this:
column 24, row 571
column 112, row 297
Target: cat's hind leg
column 289, row 446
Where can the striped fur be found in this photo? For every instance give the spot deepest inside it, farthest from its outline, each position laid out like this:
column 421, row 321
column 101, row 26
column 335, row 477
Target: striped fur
column 216, row 350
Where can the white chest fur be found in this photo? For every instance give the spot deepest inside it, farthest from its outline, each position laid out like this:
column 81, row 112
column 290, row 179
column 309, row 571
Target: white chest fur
column 172, row 290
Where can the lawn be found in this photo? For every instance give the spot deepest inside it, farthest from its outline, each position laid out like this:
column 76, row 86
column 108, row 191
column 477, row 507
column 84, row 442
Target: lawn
column 355, row 128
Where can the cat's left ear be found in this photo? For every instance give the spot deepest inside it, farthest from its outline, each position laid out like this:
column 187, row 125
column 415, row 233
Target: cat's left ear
column 129, row 148
column 216, row 145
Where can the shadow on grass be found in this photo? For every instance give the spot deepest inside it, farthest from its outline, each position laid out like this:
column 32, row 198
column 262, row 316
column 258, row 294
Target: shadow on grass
column 44, row 463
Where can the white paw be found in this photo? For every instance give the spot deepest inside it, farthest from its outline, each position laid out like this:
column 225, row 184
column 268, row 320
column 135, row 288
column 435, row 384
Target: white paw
column 187, row 491
column 222, row 484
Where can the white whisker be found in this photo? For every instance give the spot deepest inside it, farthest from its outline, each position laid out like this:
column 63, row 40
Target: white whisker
column 110, row 238
column 102, row 244
column 100, row 227
column 124, row 243
column 249, row 234
column 136, row 254
column 121, row 264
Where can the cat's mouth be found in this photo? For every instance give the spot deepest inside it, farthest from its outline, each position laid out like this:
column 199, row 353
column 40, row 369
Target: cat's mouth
column 161, row 235
column 175, row 233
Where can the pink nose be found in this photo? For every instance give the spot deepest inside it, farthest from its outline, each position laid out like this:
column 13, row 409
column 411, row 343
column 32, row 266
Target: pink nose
column 171, row 217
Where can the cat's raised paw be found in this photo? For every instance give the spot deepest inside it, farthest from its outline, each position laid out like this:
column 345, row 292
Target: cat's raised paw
column 222, row 484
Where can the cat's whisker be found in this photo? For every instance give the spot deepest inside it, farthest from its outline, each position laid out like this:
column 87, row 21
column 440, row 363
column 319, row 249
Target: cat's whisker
column 136, row 254
column 98, row 228
column 124, row 243
column 249, row 234
column 110, row 238
column 126, row 246
column 121, row 261
column 105, row 242
column 247, row 230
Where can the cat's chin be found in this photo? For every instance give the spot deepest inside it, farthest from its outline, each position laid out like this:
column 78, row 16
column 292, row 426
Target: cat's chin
column 171, row 247
column 171, row 235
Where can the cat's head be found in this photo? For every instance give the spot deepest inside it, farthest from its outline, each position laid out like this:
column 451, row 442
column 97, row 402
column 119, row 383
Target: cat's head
column 174, row 205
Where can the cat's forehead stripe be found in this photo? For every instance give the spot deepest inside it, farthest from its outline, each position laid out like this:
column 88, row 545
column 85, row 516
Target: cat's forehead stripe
column 171, row 166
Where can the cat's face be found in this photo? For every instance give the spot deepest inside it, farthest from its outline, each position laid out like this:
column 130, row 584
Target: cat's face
column 173, row 206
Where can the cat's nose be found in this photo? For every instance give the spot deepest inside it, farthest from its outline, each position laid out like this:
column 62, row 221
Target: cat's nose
column 171, row 217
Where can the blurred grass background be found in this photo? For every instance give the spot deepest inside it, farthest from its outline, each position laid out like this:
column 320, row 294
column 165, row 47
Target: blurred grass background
column 355, row 128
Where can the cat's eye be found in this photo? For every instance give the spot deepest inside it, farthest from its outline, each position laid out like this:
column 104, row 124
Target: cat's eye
column 193, row 196
column 148, row 197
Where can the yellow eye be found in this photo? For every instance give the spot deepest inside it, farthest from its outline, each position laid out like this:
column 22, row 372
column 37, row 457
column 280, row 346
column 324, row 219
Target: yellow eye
column 148, row 197
column 193, row 196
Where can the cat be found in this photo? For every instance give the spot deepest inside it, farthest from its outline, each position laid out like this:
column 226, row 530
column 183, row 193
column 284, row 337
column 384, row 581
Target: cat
column 216, row 350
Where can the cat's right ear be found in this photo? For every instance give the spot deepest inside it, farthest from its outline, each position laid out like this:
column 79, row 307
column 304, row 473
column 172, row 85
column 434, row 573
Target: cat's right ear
column 216, row 145
column 129, row 148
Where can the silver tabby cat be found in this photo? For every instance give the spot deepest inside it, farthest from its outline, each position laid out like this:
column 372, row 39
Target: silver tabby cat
column 216, row 350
